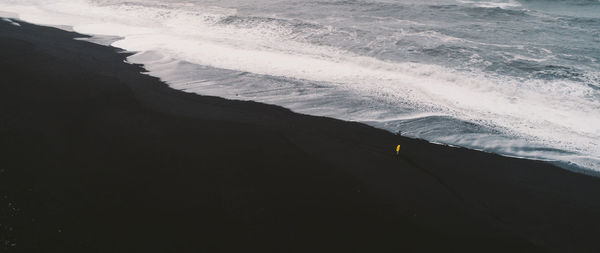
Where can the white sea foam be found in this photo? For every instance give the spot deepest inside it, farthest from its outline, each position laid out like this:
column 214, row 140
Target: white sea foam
column 559, row 114
column 11, row 22
column 493, row 4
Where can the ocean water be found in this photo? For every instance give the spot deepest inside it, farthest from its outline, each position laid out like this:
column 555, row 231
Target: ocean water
column 518, row 78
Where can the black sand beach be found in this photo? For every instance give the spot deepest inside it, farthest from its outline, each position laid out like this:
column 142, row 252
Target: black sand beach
column 95, row 157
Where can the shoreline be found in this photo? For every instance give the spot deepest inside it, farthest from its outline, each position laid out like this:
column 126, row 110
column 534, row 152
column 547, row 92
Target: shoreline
column 107, row 40
column 98, row 152
column 564, row 163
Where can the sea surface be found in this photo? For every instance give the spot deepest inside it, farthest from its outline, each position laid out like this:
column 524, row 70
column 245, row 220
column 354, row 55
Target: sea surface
column 517, row 78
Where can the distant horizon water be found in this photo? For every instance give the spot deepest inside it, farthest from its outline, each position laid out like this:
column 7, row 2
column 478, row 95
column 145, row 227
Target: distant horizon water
column 516, row 78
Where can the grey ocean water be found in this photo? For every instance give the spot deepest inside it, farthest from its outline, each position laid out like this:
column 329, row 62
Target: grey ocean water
column 517, row 78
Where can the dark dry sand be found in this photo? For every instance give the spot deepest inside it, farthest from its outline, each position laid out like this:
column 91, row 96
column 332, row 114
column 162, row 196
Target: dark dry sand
column 96, row 157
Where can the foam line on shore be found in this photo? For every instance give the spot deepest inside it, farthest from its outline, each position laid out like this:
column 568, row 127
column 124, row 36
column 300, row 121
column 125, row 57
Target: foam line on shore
column 201, row 35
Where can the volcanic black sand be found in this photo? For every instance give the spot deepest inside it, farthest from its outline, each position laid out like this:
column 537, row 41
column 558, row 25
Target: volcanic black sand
column 96, row 157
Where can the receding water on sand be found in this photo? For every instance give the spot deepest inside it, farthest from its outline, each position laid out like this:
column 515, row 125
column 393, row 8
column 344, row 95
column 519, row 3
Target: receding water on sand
column 467, row 73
